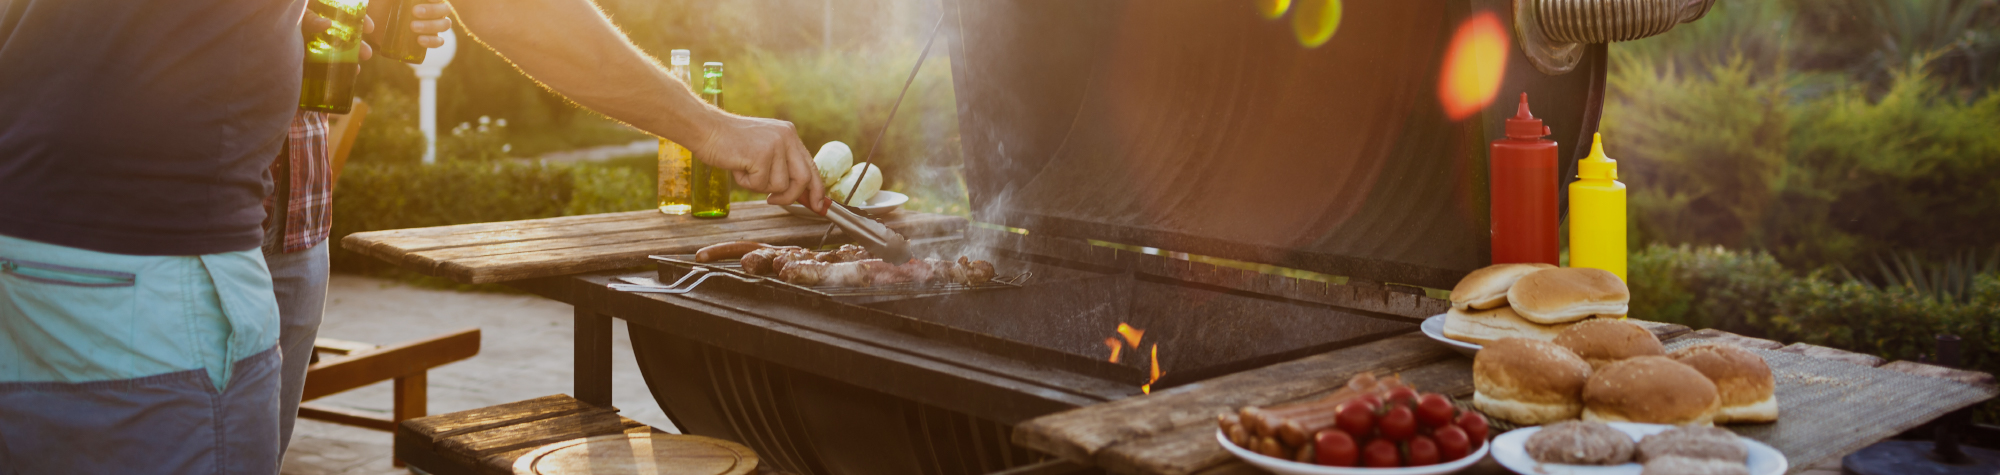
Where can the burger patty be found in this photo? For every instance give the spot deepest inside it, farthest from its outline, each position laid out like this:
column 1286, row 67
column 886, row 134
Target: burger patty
column 1694, row 442
column 1580, row 443
column 1693, row 466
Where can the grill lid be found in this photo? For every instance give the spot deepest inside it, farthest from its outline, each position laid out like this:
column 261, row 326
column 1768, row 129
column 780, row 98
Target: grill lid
column 1203, row 127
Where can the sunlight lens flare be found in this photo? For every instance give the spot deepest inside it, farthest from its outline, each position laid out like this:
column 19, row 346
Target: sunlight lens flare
column 1473, row 66
column 1272, row 9
column 1314, row 21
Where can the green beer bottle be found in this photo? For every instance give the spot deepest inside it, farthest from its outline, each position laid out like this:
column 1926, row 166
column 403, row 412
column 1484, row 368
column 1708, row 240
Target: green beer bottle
column 333, row 56
column 397, row 42
column 676, row 162
column 710, row 184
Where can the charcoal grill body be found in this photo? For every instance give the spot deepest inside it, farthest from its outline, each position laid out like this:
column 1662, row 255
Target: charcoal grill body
column 1190, row 126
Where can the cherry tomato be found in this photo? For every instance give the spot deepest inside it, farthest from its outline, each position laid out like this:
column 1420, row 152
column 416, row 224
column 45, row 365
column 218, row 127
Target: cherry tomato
column 1399, row 424
column 1336, row 448
column 1475, row 427
column 1401, row 396
column 1434, row 410
column 1452, row 443
column 1381, row 453
column 1356, row 419
column 1423, row 451
column 1374, row 400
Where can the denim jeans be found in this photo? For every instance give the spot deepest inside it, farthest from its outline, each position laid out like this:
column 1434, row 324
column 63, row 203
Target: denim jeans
column 299, row 279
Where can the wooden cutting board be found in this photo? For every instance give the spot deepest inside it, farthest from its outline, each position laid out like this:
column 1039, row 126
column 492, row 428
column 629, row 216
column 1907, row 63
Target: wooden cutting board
column 643, row 453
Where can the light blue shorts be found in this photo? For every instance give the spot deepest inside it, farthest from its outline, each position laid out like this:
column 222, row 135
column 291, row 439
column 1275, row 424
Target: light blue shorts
column 114, row 363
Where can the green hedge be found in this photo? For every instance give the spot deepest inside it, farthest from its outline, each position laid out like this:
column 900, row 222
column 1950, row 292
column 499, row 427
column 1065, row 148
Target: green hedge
column 1749, row 293
column 382, row 196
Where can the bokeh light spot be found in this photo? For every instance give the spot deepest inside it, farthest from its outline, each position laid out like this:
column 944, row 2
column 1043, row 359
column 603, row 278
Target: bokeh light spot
column 1314, row 21
column 1272, row 9
column 1473, row 66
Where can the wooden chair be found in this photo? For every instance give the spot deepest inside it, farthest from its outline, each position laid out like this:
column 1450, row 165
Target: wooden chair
column 352, row 365
column 349, row 365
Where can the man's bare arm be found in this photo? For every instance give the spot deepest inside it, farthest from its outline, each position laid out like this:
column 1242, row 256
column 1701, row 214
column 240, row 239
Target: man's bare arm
column 569, row 46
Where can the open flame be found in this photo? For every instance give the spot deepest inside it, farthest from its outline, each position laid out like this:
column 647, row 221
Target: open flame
column 1132, row 335
column 1148, row 388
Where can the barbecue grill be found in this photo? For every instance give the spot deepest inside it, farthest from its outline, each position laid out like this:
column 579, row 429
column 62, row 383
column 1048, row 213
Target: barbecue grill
column 1198, row 127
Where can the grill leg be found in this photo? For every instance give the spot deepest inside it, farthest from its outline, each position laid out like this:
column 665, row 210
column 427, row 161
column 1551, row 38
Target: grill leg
column 593, row 358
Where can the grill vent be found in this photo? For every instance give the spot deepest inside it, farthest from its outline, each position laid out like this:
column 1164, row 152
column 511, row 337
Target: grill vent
column 804, row 424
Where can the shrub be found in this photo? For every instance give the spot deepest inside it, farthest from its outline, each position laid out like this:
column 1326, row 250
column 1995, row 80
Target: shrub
column 1723, row 155
column 1749, row 293
column 1707, row 287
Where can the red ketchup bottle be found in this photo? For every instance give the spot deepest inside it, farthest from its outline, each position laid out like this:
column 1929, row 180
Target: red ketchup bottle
column 1524, row 192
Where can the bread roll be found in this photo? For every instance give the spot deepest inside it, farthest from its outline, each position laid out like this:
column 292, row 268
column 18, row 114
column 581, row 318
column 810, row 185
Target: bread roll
column 1649, row 389
column 1742, row 379
column 1528, row 381
column 1482, row 327
column 1487, row 288
column 1568, row 294
column 1601, row 341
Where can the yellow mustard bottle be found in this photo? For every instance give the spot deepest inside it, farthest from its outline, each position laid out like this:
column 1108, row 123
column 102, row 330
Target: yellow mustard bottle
column 1597, row 213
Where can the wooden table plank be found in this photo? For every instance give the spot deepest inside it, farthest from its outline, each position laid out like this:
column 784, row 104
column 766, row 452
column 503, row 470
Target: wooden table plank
column 1828, row 407
column 506, row 251
column 1078, row 435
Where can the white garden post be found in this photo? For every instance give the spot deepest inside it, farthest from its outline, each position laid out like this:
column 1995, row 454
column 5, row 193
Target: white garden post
column 427, row 74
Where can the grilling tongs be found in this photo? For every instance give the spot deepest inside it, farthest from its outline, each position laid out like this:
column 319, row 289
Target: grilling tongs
column 881, row 241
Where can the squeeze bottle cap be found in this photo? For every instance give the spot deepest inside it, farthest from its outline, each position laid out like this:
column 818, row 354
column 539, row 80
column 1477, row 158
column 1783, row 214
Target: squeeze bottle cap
column 1597, row 166
column 1524, row 125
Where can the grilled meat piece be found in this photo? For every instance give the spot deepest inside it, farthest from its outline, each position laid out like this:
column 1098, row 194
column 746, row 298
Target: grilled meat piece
column 812, row 273
column 763, row 261
column 869, row 272
column 846, row 253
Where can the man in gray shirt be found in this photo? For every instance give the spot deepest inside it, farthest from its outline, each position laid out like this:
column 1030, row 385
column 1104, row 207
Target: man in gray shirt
column 138, row 328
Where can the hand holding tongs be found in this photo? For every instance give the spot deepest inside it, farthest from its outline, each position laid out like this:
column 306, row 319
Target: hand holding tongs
column 650, row 286
column 881, row 241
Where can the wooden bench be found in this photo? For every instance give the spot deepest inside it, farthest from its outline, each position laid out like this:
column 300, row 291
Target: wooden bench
column 559, row 434
column 353, row 365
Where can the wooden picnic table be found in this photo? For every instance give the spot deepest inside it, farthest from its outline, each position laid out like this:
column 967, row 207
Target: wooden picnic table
column 1833, row 402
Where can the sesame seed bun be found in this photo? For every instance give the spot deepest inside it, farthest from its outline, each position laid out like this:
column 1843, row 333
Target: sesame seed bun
column 1487, row 288
column 1568, row 294
column 1528, row 381
column 1742, row 380
column 1602, row 341
column 1650, row 389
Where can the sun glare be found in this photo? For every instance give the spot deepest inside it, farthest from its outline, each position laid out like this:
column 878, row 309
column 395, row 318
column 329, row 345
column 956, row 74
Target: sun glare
column 1473, row 66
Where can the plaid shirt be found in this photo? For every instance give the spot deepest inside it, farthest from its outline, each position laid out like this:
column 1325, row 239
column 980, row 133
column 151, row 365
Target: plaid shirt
column 309, row 213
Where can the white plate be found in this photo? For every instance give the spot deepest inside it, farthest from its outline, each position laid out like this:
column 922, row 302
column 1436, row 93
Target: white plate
column 882, row 204
column 1510, row 450
column 1287, row 467
column 1434, row 328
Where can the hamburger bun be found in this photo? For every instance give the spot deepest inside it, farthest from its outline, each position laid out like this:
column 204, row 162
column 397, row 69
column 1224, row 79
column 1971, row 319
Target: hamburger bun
column 1602, row 341
column 1528, row 381
column 1568, row 294
column 1650, row 389
column 1483, row 327
column 1487, row 288
column 1742, row 380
